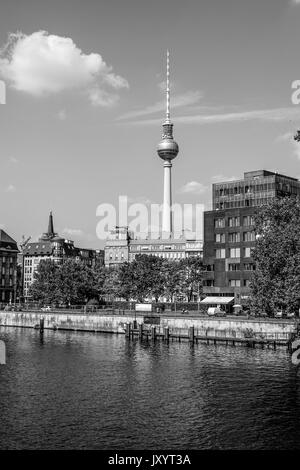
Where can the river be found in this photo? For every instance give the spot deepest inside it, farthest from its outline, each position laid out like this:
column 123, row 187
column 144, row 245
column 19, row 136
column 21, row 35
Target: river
column 68, row 390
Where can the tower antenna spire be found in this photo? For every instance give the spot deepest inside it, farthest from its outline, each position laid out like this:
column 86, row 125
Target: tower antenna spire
column 168, row 87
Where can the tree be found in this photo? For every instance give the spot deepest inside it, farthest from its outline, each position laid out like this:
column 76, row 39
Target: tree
column 111, row 286
column 147, row 277
column 276, row 280
column 44, row 286
column 172, row 275
column 75, row 283
column 191, row 276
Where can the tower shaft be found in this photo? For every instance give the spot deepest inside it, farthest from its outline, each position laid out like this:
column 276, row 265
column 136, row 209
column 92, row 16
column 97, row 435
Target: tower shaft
column 167, row 225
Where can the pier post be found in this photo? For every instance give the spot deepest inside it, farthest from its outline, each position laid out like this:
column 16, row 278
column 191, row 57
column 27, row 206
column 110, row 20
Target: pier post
column 128, row 330
column 191, row 334
column 153, row 333
column 140, row 330
column 166, row 333
column 42, row 325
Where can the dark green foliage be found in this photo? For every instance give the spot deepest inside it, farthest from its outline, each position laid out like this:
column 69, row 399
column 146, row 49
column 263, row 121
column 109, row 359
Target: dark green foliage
column 147, row 277
column 275, row 284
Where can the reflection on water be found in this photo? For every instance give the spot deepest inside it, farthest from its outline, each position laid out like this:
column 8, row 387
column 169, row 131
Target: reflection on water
column 71, row 390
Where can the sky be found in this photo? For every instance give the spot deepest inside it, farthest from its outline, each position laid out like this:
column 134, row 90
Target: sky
column 85, row 103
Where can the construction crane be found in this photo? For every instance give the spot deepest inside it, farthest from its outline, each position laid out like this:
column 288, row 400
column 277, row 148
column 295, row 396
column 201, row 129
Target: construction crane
column 24, row 242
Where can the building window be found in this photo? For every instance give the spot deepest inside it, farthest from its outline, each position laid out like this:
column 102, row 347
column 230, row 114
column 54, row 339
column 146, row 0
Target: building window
column 219, row 223
column 247, row 252
column 234, row 252
column 249, row 236
column 233, row 266
column 235, row 282
column 233, row 221
column 248, row 220
column 220, row 237
column 246, row 283
column 249, row 266
column 234, row 237
column 209, row 267
column 220, row 253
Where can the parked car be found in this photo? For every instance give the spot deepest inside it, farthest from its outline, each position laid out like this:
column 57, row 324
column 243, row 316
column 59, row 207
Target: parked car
column 216, row 311
column 290, row 315
column 46, row 308
column 278, row 314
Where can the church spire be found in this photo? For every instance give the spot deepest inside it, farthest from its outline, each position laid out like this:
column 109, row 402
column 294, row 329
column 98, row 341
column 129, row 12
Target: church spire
column 50, row 232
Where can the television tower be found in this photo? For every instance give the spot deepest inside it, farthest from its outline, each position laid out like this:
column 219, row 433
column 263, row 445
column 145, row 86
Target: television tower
column 167, row 149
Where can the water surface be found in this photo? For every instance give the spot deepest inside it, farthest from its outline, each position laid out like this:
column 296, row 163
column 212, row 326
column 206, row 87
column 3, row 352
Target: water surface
column 72, row 390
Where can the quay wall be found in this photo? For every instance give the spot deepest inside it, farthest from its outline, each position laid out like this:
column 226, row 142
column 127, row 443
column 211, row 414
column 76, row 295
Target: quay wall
column 116, row 323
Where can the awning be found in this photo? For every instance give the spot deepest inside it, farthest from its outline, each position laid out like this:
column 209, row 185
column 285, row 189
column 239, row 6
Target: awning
column 217, row 300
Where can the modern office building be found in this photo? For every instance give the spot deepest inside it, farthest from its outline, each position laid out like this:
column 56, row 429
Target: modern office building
column 229, row 232
column 8, row 268
column 51, row 246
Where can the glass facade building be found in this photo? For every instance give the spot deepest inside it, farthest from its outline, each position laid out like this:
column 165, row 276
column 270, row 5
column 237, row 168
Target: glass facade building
column 229, row 232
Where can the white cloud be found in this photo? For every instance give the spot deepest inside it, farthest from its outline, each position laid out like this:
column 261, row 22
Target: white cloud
column 162, row 86
column 296, row 149
column 13, row 160
column 139, row 200
column 73, row 232
column 44, row 64
column 288, row 137
column 62, row 115
column 221, row 178
column 265, row 115
column 185, row 99
column 295, row 2
column 193, row 187
column 10, row 188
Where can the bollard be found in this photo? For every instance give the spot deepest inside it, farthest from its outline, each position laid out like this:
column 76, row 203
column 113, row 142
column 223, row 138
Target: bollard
column 192, row 334
column 166, row 333
column 2, row 353
column 153, row 333
column 128, row 330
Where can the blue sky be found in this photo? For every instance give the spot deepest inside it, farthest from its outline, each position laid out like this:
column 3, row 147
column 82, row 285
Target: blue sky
column 83, row 115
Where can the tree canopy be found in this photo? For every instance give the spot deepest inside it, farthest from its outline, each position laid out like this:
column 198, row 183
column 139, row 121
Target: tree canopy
column 147, row 277
column 275, row 283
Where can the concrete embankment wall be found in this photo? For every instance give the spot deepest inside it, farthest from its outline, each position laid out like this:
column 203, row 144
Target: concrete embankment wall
column 114, row 323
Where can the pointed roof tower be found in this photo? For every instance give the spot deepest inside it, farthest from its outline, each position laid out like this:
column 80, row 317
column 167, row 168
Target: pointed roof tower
column 50, row 226
column 50, row 234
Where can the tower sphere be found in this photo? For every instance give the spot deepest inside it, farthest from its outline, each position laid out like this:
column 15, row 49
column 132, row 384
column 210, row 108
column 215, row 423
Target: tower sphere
column 167, row 149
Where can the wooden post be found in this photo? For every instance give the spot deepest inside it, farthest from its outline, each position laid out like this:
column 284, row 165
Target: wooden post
column 140, row 330
column 166, row 333
column 41, row 325
column 191, row 334
column 153, row 333
column 128, row 330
